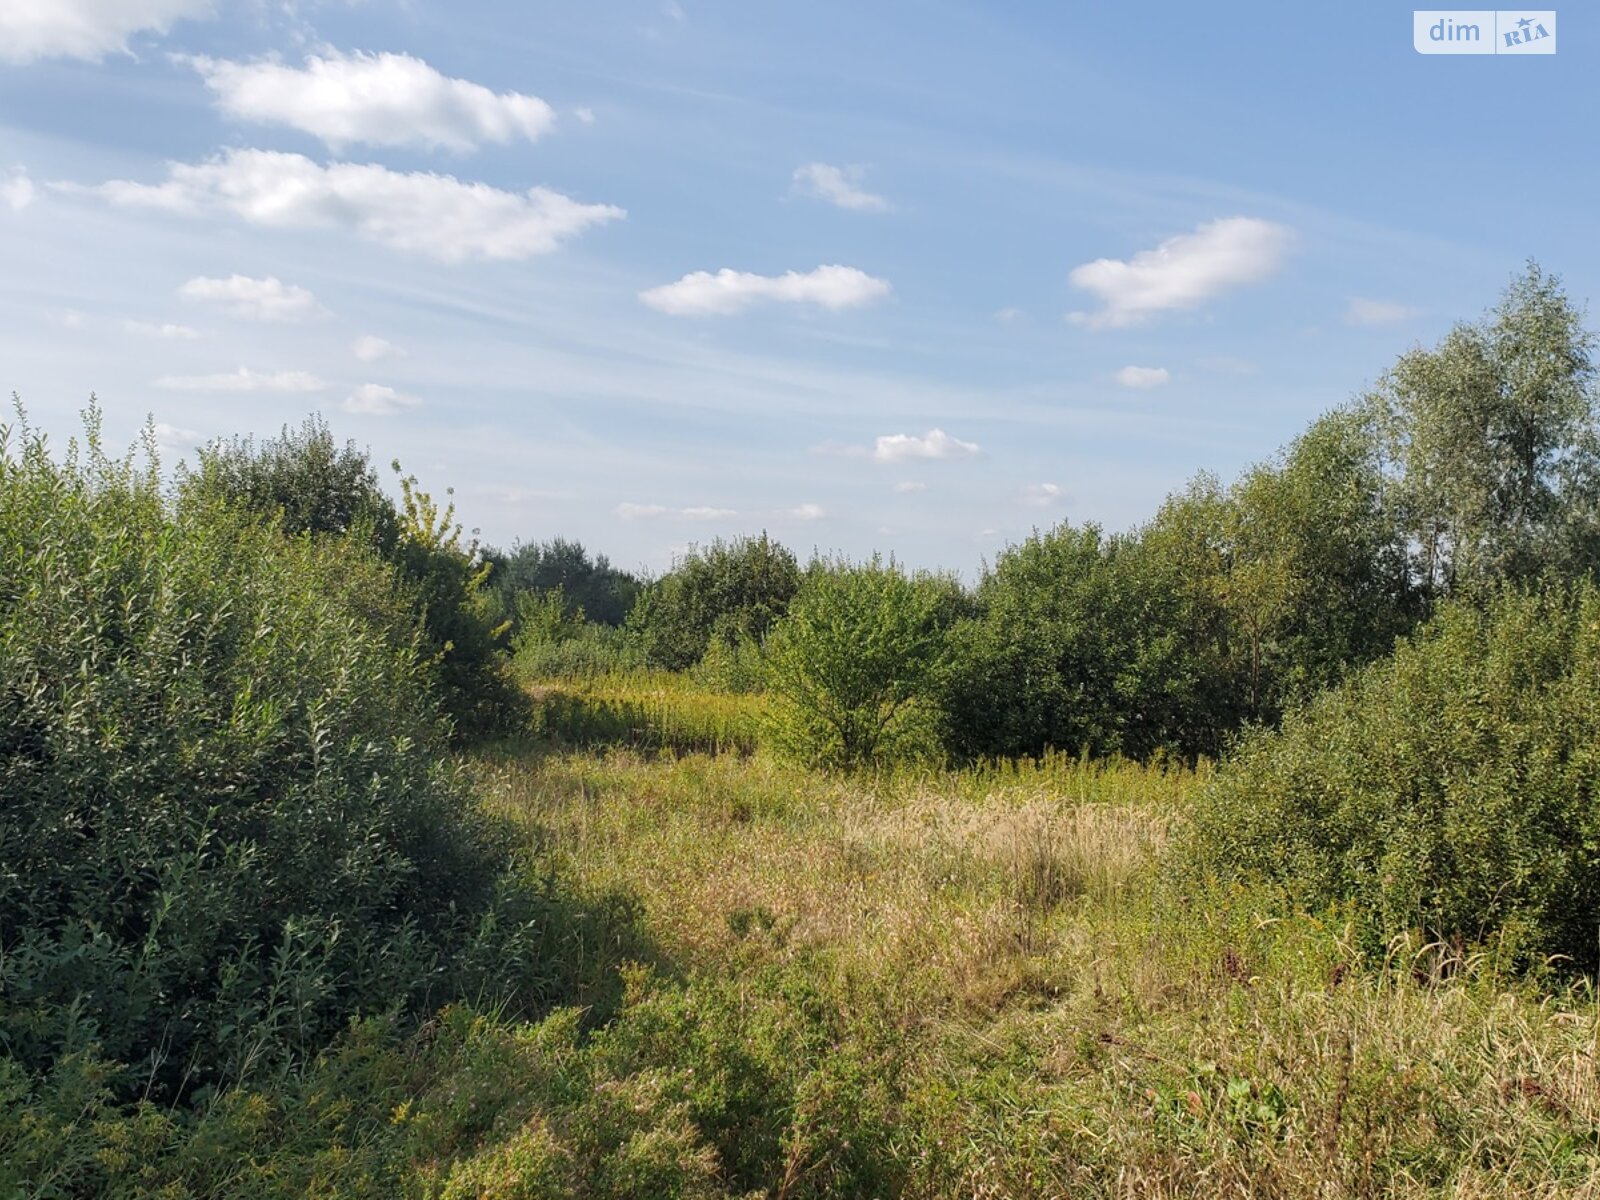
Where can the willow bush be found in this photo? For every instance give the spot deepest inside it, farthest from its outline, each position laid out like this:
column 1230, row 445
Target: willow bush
column 226, row 819
column 1449, row 791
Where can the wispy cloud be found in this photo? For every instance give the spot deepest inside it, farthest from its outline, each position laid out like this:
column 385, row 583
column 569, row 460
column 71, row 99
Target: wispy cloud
column 165, row 330
column 91, row 29
column 378, row 400
column 936, row 443
column 1366, row 313
column 907, row 486
column 1182, row 272
column 244, row 380
column 726, row 292
column 375, row 99
column 375, row 349
column 171, row 437
column 839, row 186
column 268, row 299
column 807, row 512
column 698, row 512
column 421, row 213
column 1142, row 378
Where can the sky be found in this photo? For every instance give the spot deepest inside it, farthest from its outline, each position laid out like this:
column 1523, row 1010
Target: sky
column 910, row 277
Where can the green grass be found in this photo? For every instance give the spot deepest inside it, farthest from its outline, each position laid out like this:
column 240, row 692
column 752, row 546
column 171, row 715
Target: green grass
column 983, row 983
column 647, row 711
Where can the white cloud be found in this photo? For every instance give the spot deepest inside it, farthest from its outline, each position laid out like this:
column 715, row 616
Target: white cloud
column 1143, row 378
column 838, row 186
column 164, row 330
column 376, row 400
column 1182, row 272
column 807, row 512
column 1010, row 316
column 170, row 437
column 16, row 189
column 419, row 212
column 674, row 10
column 375, row 349
column 1041, row 495
column 69, row 318
column 936, row 443
column 907, row 486
column 268, row 299
column 636, row 512
column 1377, row 312
column 31, row 29
column 705, row 294
column 584, row 114
column 698, row 512
column 377, row 99
column 244, row 380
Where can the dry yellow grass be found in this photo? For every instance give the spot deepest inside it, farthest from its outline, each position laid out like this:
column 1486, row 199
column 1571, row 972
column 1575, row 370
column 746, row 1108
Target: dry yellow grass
column 1079, row 1025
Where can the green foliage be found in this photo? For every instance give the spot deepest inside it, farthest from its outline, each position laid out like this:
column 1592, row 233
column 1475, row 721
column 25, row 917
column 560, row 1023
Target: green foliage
column 1448, row 790
column 1493, row 442
column 458, row 617
column 856, row 666
column 725, row 591
column 555, row 641
column 304, row 479
column 1084, row 643
column 645, row 710
column 594, row 587
column 224, row 822
column 307, row 485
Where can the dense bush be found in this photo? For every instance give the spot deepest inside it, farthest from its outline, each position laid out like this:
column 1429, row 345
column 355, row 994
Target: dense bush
column 555, row 641
column 1087, row 643
column 305, row 483
column 225, row 823
column 726, row 591
column 855, row 669
column 592, row 586
column 1448, row 790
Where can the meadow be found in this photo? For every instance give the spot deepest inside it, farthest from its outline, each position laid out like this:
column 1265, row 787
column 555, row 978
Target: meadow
column 918, row 982
column 1250, row 853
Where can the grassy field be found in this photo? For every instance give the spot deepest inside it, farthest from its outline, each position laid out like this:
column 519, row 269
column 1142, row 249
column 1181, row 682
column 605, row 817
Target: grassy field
column 983, row 984
column 987, row 983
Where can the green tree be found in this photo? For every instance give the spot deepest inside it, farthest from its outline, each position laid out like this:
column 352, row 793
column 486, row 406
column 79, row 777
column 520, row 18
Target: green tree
column 604, row 593
column 1493, row 442
column 1082, row 645
column 855, row 667
column 729, row 590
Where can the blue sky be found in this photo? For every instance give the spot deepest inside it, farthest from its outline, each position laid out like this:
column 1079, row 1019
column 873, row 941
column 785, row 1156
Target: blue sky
column 989, row 266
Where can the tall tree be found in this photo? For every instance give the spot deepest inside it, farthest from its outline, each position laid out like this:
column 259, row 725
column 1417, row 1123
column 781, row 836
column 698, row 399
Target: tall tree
column 1493, row 438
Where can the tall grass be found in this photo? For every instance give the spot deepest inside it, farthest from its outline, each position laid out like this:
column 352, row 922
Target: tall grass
column 645, row 710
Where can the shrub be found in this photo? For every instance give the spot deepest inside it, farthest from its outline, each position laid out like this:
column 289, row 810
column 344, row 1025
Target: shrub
column 604, row 594
column 306, row 484
column 1085, row 644
column 554, row 641
column 225, row 822
column 856, row 667
column 723, row 592
column 1449, row 790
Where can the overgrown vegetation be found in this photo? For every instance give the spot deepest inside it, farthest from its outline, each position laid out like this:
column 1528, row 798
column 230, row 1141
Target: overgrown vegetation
column 227, row 825
column 823, row 880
